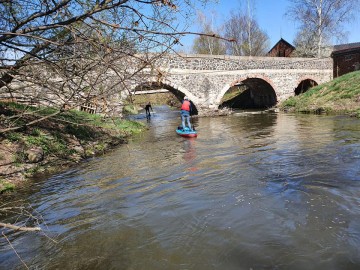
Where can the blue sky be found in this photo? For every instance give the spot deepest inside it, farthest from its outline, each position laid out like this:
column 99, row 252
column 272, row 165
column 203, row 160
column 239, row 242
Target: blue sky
column 270, row 15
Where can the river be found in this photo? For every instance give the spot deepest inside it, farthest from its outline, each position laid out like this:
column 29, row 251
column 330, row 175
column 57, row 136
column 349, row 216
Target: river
column 254, row 190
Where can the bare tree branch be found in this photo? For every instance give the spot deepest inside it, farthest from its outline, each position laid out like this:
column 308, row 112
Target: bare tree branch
column 67, row 53
column 321, row 21
column 20, row 228
column 17, row 254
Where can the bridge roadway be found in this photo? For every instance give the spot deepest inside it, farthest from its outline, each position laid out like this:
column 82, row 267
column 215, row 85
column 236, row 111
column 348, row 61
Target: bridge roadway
column 206, row 78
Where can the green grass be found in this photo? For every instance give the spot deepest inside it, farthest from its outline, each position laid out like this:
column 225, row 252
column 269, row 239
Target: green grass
column 155, row 99
column 233, row 92
column 13, row 136
column 131, row 109
column 73, row 117
column 81, row 132
column 53, row 135
column 26, row 108
column 129, row 126
column 81, row 117
column 54, row 145
column 5, row 186
column 66, row 137
column 341, row 95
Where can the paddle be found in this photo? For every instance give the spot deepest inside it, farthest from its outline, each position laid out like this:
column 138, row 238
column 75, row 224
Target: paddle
column 191, row 121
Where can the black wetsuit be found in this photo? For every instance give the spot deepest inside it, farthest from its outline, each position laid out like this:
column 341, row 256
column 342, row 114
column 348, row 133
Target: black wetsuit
column 147, row 109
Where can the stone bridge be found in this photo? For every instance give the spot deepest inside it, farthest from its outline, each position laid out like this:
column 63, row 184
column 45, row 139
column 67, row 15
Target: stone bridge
column 265, row 80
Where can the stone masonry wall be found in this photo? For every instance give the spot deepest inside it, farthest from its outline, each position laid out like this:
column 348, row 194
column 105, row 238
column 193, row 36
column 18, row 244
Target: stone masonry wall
column 205, row 78
column 226, row 62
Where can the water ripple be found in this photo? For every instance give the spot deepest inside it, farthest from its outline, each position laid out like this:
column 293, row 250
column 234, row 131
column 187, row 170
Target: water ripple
column 253, row 191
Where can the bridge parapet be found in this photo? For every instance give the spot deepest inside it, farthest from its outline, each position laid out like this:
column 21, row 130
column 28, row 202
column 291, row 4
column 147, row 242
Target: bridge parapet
column 231, row 63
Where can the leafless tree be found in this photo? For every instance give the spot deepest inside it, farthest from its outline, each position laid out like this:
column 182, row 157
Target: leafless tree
column 305, row 44
column 322, row 20
column 65, row 53
column 250, row 40
column 209, row 44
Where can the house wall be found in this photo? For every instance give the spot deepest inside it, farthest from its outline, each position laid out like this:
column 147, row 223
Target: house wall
column 345, row 62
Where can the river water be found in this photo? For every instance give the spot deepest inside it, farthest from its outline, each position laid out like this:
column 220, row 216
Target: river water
column 253, row 191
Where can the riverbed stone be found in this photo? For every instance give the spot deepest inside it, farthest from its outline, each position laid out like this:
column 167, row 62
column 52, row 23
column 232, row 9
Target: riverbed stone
column 34, row 154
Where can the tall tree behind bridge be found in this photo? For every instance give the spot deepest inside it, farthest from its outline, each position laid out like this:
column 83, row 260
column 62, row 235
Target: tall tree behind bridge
column 320, row 21
column 209, row 43
column 66, row 52
column 250, row 40
column 305, row 43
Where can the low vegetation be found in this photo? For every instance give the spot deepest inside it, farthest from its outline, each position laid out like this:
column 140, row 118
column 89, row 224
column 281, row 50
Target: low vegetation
column 55, row 142
column 341, row 95
column 6, row 185
column 232, row 93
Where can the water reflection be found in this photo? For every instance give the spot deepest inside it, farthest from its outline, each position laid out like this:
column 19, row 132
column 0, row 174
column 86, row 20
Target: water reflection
column 252, row 191
column 189, row 150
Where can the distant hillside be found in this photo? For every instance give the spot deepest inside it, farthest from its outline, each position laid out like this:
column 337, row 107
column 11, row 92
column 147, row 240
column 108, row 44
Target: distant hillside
column 341, row 95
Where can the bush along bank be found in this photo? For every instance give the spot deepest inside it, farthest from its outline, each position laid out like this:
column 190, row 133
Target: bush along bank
column 339, row 96
column 55, row 143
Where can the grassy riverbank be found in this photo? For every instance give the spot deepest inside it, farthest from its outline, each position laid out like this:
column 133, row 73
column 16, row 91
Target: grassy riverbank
column 339, row 96
column 55, row 143
column 139, row 101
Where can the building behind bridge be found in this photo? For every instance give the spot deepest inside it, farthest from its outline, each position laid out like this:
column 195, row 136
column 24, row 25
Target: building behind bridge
column 346, row 58
column 281, row 49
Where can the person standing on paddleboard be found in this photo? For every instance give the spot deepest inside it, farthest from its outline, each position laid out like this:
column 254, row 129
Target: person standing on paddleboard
column 185, row 112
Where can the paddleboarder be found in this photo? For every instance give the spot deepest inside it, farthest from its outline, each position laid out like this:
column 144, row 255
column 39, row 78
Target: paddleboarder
column 185, row 112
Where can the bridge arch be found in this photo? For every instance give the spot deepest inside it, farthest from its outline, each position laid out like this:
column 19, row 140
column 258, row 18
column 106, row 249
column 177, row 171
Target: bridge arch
column 178, row 91
column 304, row 84
column 254, row 91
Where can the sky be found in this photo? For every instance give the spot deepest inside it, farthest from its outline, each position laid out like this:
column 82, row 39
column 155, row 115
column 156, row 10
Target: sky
column 270, row 15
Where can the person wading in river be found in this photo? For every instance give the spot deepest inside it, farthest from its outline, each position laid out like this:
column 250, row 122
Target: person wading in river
column 147, row 110
column 185, row 112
